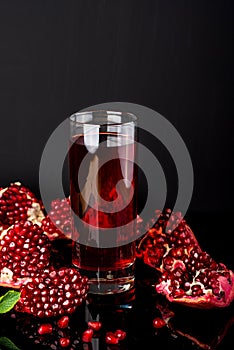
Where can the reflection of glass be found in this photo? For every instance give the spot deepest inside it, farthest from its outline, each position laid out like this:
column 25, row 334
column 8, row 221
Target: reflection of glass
column 103, row 198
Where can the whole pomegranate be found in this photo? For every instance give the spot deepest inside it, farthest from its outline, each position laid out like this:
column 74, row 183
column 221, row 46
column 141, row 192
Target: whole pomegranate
column 189, row 275
column 18, row 203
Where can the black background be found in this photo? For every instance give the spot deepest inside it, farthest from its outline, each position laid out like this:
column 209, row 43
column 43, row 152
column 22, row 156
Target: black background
column 173, row 56
column 176, row 57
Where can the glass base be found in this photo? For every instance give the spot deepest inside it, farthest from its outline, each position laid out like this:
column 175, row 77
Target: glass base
column 110, row 282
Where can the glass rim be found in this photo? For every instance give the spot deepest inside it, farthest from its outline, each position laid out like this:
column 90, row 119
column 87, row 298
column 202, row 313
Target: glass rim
column 132, row 117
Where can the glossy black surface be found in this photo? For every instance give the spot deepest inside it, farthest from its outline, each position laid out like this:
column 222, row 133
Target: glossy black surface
column 134, row 311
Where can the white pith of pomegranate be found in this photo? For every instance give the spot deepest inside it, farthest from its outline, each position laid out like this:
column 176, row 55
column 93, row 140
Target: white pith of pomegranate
column 53, row 292
column 189, row 275
column 18, row 203
column 57, row 224
column 24, row 251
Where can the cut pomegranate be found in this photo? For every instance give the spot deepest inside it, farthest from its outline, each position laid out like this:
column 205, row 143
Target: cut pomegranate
column 18, row 203
column 57, row 224
column 166, row 250
column 53, row 293
column 24, row 251
column 189, row 275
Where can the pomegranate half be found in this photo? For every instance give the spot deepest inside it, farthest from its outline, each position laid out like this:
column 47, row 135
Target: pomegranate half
column 24, row 251
column 188, row 275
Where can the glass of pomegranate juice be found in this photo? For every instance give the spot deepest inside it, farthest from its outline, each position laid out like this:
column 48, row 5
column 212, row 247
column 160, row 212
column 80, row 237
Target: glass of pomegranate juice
column 103, row 181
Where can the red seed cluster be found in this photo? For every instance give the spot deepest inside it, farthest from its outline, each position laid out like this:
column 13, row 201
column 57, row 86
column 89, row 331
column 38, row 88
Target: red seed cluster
column 57, row 224
column 24, row 249
column 201, row 273
column 14, row 204
column 53, row 293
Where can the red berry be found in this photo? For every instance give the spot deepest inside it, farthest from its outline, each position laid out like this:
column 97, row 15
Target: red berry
column 45, row 328
column 95, row 325
column 63, row 322
column 111, row 338
column 121, row 335
column 87, row 336
column 158, row 322
column 64, row 342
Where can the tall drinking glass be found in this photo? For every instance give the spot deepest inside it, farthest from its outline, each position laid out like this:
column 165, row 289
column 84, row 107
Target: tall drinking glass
column 103, row 193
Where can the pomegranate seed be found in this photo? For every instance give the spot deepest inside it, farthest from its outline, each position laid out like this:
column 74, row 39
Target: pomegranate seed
column 95, row 325
column 111, row 338
column 87, row 336
column 121, row 335
column 45, row 328
column 64, row 342
column 158, row 322
column 63, row 322
column 178, row 293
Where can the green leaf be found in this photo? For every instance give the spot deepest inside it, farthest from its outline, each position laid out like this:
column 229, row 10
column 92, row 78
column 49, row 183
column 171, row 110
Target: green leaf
column 8, row 301
column 8, row 344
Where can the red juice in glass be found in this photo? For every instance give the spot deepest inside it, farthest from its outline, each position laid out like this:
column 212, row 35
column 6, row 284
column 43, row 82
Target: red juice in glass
column 103, row 177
